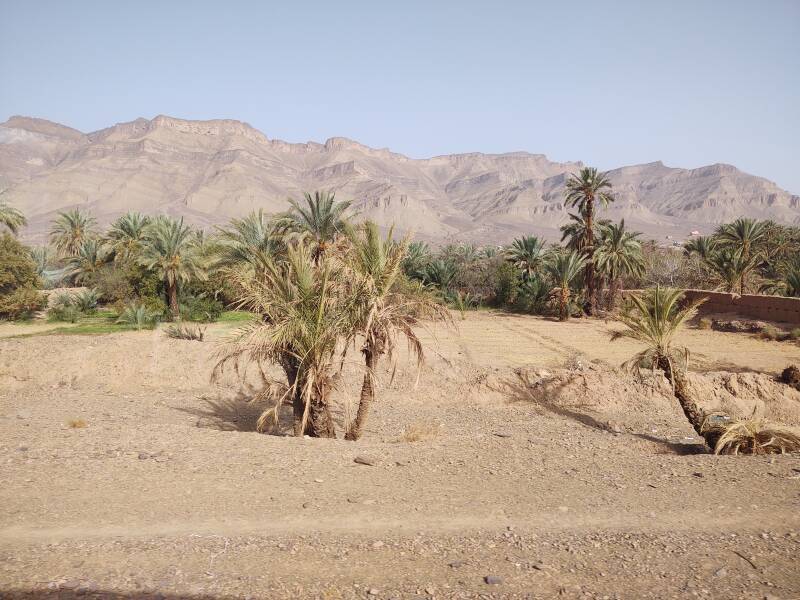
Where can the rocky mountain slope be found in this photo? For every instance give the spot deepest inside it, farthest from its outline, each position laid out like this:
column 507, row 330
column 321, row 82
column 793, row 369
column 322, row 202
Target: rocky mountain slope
column 209, row 171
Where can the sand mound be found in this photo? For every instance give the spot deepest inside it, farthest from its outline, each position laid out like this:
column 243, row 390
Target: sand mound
column 615, row 396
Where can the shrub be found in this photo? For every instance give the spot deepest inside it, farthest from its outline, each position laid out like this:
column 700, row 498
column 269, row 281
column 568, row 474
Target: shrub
column 86, row 300
column 769, row 333
column 202, row 309
column 113, row 284
column 22, row 303
column 18, row 280
column 68, row 308
column 533, row 296
column 137, row 315
column 753, row 436
column 704, row 323
column 154, row 304
column 65, row 313
column 183, row 331
column 507, row 284
column 795, row 333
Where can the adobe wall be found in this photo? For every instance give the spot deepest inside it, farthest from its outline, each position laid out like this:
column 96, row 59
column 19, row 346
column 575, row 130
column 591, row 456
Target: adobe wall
column 765, row 308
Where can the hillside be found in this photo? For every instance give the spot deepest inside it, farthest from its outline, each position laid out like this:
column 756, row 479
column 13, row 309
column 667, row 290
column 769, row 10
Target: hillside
column 209, row 171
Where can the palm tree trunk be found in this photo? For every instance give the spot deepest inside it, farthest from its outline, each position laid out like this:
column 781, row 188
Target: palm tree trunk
column 613, row 292
column 320, row 418
column 367, row 396
column 589, row 248
column 680, row 385
column 172, row 293
column 298, row 406
column 563, row 313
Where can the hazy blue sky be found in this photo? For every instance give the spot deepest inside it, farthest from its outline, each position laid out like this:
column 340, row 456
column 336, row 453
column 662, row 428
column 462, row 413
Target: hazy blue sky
column 609, row 83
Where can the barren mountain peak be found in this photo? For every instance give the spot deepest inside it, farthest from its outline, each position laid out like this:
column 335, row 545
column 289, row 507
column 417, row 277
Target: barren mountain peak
column 212, row 170
column 42, row 126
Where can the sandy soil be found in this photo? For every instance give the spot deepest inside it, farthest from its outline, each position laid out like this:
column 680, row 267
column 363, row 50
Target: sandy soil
column 539, row 465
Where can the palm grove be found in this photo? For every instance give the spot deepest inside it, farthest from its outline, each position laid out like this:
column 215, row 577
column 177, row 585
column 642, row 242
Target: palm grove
column 321, row 284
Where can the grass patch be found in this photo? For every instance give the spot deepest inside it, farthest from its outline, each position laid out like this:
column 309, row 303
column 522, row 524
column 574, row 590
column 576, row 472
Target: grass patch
column 236, row 316
column 76, row 424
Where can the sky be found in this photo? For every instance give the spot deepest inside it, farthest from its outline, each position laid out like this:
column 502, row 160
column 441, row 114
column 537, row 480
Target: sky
column 610, row 83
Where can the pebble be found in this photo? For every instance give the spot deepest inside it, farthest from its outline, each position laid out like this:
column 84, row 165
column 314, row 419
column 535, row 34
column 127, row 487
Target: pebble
column 364, row 460
column 493, row 580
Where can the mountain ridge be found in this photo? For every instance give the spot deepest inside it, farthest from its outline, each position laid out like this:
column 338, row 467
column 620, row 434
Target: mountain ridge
column 210, row 171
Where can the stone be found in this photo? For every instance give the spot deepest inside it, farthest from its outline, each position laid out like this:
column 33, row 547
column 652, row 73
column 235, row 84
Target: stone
column 365, row 460
column 456, row 564
column 493, row 580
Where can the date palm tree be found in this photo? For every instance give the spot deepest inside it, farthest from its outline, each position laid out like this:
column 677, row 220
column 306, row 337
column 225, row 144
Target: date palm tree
column 441, row 273
column 70, row 229
column 89, row 259
column 250, row 242
column 125, row 237
column 563, row 268
column 743, row 236
column 654, row 318
column 731, row 267
column 703, row 246
column 528, row 254
column 305, row 311
column 584, row 190
column 321, row 219
column 11, row 218
column 170, row 250
column 382, row 315
column 418, row 256
column 618, row 254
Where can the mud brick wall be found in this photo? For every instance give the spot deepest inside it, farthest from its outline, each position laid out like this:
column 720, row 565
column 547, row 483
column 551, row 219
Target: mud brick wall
column 766, row 308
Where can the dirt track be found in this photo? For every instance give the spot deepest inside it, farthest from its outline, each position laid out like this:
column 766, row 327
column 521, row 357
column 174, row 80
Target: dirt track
column 591, row 488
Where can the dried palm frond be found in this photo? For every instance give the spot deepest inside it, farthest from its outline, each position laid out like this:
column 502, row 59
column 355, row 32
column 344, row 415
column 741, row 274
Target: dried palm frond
column 752, row 436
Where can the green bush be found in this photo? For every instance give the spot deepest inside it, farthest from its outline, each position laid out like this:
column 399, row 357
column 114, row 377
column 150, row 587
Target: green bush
column 22, row 303
column 19, row 283
column 86, row 301
column 204, row 310
column 64, row 313
column 507, row 285
column 138, row 316
column 113, row 284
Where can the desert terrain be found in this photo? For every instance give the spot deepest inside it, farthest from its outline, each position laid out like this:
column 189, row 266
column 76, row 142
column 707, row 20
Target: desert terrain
column 520, row 462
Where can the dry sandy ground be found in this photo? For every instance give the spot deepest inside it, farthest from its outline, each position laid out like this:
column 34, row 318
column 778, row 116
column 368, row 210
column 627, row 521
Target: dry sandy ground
column 575, row 482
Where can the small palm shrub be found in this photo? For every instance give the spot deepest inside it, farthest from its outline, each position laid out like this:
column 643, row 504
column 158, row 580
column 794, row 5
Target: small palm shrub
column 752, row 436
column 185, row 331
column 138, row 316
column 86, row 301
column 463, row 301
column 533, row 296
column 64, row 309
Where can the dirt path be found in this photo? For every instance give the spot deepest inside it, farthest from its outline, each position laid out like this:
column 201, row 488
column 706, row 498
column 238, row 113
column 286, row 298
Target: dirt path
column 168, row 492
